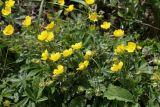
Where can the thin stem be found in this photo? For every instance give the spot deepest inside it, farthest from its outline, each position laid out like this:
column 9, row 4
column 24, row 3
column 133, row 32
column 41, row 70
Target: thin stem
column 40, row 9
column 96, row 63
column 138, row 21
column 146, row 24
column 5, row 61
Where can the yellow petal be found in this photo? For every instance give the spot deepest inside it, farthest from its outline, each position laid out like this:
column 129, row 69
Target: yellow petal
column 118, row 33
column 131, row 47
column 93, row 16
column 6, row 11
column 61, row 2
column 43, row 35
column 45, row 55
column 106, row 25
column 77, row 46
column 50, row 37
column 89, row 2
column 50, row 26
column 55, row 56
column 70, row 8
column 8, row 30
column 27, row 21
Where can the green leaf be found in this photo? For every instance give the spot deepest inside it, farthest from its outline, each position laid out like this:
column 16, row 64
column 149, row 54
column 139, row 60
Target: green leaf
column 136, row 105
column 87, row 40
column 31, row 104
column 78, row 102
column 22, row 103
column 33, row 72
column 2, row 43
column 1, row 98
column 96, row 80
column 120, row 14
column 53, row 89
column 118, row 93
column 59, row 13
column 144, row 68
column 113, row 2
column 39, row 92
column 42, row 99
column 30, row 93
column 6, row 93
column 81, row 2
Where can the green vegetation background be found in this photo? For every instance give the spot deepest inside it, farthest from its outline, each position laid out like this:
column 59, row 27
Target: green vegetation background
column 28, row 84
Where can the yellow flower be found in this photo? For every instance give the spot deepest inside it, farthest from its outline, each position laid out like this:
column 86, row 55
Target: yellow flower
column 6, row 11
column 46, row 36
column 86, row 63
column 139, row 47
column 88, row 55
column 130, row 47
column 117, row 67
column 55, row 56
column 118, row 33
column 8, row 30
column 9, row 3
column 50, row 26
column 77, row 46
column 43, row 35
column 61, row 2
column 93, row 16
column 119, row 49
column 50, row 37
column 70, row 8
column 44, row 55
column 59, row 70
column 6, row 103
column 89, row 2
column 68, row 52
column 83, row 65
column 106, row 25
column 27, row 21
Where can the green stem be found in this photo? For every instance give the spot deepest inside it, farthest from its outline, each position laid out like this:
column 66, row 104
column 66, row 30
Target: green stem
column 5, row 61
column 140, row 22
column 40, row 9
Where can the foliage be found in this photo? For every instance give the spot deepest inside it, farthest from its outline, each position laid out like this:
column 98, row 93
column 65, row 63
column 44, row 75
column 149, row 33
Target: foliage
column 27, row 71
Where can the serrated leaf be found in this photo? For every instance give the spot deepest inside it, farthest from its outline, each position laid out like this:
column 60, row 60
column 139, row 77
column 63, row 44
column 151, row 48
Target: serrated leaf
column 118, row 93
